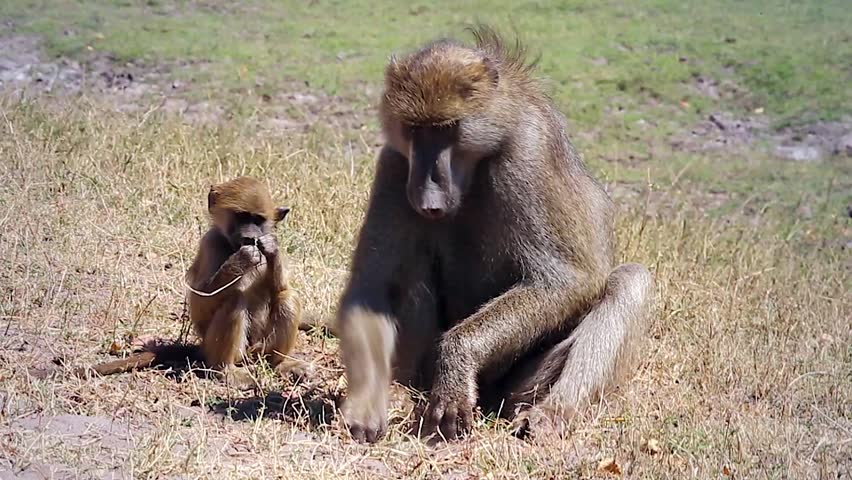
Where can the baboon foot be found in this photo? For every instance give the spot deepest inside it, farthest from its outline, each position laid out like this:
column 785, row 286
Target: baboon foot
column 293, row 368
column 238, row 377
column 541, row 422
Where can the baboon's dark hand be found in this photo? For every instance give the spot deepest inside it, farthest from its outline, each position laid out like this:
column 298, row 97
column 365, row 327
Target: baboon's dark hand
column 248, row 256
column 450, row 410
column 268, row 245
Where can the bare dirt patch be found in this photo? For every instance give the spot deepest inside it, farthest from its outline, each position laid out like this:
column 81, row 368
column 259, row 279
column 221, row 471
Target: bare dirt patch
column 24, row 69
column 811, row 141
column 142, row 88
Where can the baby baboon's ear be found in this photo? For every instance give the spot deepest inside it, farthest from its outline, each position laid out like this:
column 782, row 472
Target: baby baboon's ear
column 280, row 213
column 211, row 198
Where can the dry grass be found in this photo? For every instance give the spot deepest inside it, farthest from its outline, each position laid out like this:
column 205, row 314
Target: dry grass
column 748, row 372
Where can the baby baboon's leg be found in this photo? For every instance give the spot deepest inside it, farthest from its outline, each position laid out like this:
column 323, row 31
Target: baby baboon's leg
column 284, row 322
column 597, row 354
column 224, row 342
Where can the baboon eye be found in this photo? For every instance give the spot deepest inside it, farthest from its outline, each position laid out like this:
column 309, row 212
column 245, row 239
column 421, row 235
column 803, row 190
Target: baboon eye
column 246, row 217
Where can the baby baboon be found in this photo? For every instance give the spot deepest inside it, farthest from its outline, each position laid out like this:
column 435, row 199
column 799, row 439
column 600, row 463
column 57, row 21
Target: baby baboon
column 239, row 301
column 484, row 268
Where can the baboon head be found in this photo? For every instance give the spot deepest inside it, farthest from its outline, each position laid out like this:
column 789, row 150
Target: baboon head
column 242, row 210
column 439, row 110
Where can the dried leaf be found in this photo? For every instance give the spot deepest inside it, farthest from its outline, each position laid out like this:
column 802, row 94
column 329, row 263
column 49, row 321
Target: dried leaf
column 608, row 465
column 116, row 347
column 727, row 471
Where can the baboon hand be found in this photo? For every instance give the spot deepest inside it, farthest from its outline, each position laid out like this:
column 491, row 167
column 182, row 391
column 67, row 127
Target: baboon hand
column 247, row 257
column 450, row 410
column 367, row 420
column 268, row 245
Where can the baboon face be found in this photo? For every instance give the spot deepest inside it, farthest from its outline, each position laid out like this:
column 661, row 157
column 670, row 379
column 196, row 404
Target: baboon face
column 244, row 228
column 442, row 161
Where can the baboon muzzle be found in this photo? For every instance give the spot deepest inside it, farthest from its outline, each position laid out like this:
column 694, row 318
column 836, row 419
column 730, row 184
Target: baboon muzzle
column 428, row 181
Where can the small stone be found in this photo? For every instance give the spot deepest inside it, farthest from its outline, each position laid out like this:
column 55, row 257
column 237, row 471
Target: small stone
column 650, row 446
column 805, row 211
column 800, row 153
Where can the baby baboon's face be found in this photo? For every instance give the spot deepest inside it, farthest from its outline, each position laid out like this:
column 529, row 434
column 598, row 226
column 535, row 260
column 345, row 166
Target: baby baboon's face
column 244, row 228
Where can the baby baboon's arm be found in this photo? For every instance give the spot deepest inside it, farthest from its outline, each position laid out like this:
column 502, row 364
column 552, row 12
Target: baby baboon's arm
column 240, row 263
column 268, row 247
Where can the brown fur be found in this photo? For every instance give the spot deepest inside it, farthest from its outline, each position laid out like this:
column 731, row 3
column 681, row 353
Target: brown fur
column 259, row 315
column 484, row 267
column 446, row 81
column 243, row 194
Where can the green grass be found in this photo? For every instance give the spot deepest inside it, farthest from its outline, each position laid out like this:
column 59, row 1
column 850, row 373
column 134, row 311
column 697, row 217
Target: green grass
column 791, row 57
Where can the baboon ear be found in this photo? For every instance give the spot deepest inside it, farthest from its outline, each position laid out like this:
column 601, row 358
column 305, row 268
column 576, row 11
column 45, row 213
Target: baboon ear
column 280, row 213
column 211, row 198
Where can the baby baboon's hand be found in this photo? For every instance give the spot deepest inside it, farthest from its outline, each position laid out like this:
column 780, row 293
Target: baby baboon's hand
column 237, row 377
column 247, row 257
column 268, row 245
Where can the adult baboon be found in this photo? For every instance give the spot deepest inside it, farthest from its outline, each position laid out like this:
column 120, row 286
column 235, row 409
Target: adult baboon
column 484, row 268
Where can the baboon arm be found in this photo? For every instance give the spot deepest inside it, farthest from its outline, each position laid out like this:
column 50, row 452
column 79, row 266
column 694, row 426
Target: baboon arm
column 209, row 272
column 385, row 238
column 277, row 274
column 229, row 270
column 484, row 345
column 507, row 327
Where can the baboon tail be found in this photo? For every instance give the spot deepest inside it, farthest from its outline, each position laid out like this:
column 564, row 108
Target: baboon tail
column 152, row 356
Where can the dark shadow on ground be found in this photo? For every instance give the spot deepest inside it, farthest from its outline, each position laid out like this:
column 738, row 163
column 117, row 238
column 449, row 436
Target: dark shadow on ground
column 316, row 404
